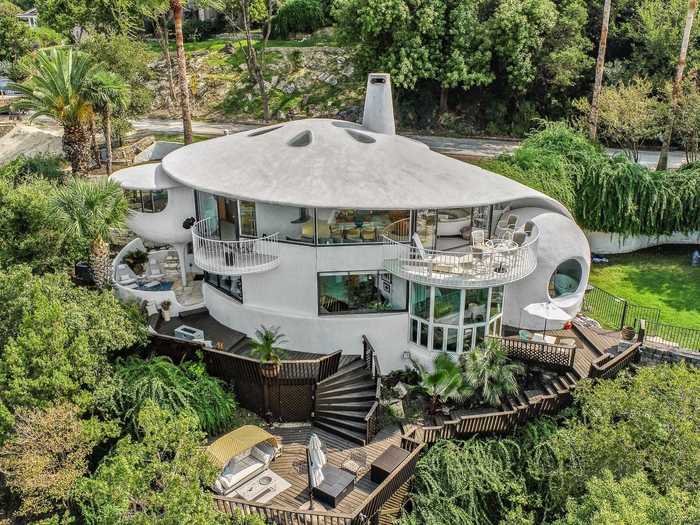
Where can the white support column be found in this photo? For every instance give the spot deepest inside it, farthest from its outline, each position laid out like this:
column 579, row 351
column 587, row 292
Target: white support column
column 181, row 249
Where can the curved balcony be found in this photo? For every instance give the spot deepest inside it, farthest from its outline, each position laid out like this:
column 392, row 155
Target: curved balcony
column 493, row 264
column 233, row 257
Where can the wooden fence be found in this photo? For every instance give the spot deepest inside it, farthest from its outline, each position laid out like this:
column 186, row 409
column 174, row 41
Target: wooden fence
column 367, row 511
column 550, row 356
column 288, row 397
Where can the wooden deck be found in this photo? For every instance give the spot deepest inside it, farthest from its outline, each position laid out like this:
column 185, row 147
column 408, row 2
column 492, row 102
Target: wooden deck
column 591, row 343
column 291, row 465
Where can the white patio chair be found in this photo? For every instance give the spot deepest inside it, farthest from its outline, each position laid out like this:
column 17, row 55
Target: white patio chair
column 478, row 237
column 421, row 248
column 154, row 270
column 125, row 275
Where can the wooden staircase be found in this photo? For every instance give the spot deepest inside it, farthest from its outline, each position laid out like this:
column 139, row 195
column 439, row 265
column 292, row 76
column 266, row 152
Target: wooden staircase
column 347, row 403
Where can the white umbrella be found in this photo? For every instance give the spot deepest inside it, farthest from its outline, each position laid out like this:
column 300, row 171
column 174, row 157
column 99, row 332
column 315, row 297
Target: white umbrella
column 548, row 312
column 316, row 461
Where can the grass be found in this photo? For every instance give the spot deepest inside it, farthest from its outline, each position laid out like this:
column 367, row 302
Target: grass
column 217, row 44
column 657, row 277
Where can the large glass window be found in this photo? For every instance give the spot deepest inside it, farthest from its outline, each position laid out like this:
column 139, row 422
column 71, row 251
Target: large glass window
column 230, row 285
column 360, row 293
column 446, row 306
column 425, row 227
column 147, row 201
column 350, row 226
column 443, row 319
column 420, row 301
column 455, row 226
column 248, row 219
column 293, row 224
column 566, row 279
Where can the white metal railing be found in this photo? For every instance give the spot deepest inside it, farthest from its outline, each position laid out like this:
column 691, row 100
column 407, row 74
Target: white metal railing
column 232, row 257
column 473, row 267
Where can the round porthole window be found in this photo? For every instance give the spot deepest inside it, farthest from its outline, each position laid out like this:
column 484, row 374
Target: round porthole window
column 566, row 279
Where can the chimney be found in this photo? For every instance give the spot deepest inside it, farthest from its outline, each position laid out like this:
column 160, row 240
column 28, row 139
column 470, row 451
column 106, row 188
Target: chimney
column 378, row 115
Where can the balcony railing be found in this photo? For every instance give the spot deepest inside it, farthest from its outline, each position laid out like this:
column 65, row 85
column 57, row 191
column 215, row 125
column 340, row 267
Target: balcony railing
column 473, row 267
column 233, row 257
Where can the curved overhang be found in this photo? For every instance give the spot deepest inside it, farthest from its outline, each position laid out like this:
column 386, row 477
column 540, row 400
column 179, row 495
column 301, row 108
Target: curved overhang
column 324, row 163
column 144, row 177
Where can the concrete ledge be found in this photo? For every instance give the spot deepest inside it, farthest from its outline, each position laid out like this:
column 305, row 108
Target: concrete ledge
column 652, row 355
column 612, row 243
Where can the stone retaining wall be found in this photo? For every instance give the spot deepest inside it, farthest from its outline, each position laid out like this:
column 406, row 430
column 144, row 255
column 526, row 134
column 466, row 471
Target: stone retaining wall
column 655, row 356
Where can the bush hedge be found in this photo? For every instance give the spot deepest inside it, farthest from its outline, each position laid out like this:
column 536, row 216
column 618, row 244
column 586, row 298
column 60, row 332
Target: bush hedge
column 605, row 194
column 298, row 16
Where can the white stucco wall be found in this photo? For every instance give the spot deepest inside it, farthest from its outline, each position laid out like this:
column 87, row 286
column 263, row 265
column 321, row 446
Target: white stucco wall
column 610, row 243
column 288, row 297
column 165, row 227
column 560, row 239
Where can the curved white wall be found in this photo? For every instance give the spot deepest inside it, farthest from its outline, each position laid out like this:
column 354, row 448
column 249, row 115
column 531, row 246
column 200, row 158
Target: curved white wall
column 287, row 297
column 165, row 227
column 560, row 239
column 611, row 243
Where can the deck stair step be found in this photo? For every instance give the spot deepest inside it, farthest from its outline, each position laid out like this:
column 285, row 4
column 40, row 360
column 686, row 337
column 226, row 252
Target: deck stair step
column 344, row 399
column 358, row 387
column 572, row 378
column 523, row 399
column 353, row 415
column 355, row 426
column 354, row 437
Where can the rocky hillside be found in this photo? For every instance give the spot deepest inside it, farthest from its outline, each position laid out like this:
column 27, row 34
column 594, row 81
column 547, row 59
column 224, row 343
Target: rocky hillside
column 304, row 81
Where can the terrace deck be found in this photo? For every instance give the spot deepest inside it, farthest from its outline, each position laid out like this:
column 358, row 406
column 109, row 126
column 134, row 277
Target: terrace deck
column 291, row 465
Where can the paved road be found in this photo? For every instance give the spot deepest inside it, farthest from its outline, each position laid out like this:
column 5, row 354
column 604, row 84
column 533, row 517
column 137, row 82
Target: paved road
column 467, row 147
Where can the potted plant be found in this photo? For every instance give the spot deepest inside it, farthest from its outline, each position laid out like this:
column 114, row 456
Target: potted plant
column 165, row 310
column 627, row 333
column 136, row 260
column 264, row 347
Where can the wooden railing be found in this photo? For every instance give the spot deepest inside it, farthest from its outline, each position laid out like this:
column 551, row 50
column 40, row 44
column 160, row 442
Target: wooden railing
column 369, row 355
column 553, row 356
column 365, row 512
column 607, row 366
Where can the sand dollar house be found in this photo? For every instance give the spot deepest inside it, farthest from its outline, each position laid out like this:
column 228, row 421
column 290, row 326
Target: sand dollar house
column 331, row 230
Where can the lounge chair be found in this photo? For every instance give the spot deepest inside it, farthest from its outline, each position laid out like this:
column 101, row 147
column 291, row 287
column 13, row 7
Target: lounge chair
column 154, row 271
column 368, row 233
column 336, row 234
column 125, row 276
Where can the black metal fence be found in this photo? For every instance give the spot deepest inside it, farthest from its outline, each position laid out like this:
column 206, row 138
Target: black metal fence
column 615, row 312
column 670, row 336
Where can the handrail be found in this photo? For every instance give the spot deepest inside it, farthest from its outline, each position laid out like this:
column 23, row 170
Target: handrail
column 540, row 352
column 474, row 266
column 608, row 368
column 230, row 257
column 369, row 356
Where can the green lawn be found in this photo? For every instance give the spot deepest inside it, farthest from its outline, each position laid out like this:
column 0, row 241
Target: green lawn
column 659, row 278
column 177, row 137
column 217, row 44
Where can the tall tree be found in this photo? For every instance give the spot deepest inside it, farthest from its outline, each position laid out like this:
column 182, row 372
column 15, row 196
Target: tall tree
column 109, row 93
column 58, row 89
column 675, row 94
column 176, row 8
column 599, row 69
column 91, row 210
column 241, row 15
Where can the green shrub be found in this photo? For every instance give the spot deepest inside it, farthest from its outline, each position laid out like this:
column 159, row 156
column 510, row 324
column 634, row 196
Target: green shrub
column 42, row 165
column 604, row 194
column 46, row 37
column 198, row 30
column 298, row 16
column 178, row 389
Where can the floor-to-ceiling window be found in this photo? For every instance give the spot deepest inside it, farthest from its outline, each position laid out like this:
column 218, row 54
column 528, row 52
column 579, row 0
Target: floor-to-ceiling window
column 352, row 226
column 451, row 320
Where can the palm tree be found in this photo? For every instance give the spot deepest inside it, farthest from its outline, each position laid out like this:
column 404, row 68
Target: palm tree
column 57, row 89
column 491, row 373
column 109, row 93
column 265, row 345
column 90, row 211
column 599, row 69
column 676, row 93
column 444, row 383
column 176, row 8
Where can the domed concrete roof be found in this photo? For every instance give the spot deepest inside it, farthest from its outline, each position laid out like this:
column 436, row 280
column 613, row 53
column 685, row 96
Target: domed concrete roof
column 145, row 177
column 336, row 164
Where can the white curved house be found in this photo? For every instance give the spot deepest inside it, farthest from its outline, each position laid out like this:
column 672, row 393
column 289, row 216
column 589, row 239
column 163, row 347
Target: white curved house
column 331, row 230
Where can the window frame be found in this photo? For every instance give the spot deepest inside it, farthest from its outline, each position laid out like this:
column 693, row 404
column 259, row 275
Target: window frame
column 357, row 272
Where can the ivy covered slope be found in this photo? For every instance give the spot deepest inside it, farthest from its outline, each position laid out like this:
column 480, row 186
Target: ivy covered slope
column 306, row 78
column 605, row 194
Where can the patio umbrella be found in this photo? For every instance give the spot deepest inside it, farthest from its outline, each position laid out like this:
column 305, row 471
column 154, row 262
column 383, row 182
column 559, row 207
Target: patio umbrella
column 315, row 458
column 548, row 312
